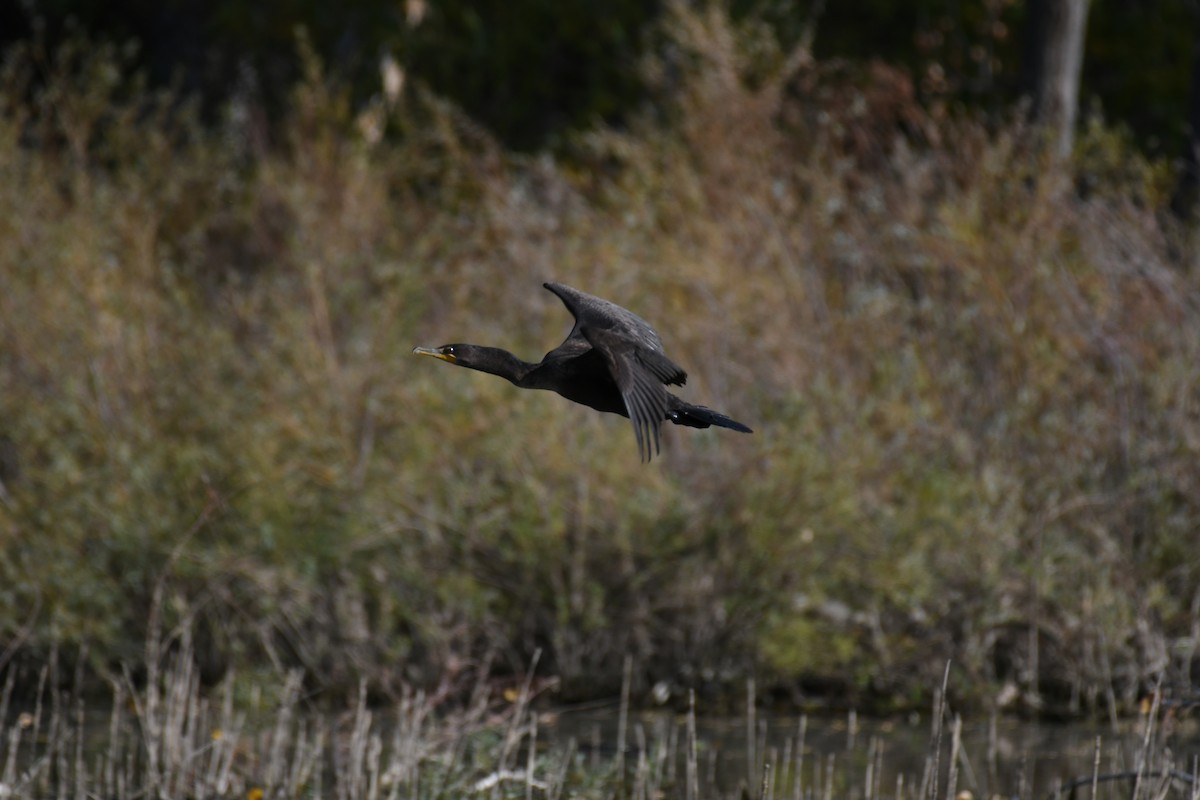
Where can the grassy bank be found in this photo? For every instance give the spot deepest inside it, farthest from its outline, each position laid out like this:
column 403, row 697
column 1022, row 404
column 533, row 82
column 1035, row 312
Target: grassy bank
column 974, row 377
column 168, row 737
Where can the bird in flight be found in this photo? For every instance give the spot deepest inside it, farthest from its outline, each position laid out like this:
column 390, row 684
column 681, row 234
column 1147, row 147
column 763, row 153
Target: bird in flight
column 611, row 361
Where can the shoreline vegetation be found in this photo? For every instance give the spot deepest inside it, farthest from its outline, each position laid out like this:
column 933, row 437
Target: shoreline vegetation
column 973, row 371
column 168, row 736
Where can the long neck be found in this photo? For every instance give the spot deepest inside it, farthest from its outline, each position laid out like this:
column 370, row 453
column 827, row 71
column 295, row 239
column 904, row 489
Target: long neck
column 496, row 361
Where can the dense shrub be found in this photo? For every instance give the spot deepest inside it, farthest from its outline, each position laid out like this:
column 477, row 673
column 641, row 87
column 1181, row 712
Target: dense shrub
column 974, row 389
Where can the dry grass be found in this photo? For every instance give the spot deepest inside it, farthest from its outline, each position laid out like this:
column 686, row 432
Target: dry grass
column 171, row 738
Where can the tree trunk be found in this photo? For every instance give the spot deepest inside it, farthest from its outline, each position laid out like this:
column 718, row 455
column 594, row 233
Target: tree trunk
column 1187, row 192
column 1054, row 34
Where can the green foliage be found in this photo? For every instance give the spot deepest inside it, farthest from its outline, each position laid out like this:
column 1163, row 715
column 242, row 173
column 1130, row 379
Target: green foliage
column 973, row 389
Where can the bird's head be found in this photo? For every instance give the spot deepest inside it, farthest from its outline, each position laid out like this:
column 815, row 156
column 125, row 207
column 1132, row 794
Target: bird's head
column 447, row 352
column 485, row 359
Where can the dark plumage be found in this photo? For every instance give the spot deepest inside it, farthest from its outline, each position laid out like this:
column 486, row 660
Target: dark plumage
column 611, row 361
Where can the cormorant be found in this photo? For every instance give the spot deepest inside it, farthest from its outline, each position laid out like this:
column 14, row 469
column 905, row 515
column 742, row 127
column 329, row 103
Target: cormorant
column 611, row 361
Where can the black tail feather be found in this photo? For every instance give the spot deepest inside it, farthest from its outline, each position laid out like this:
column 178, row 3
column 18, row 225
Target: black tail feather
column 701, row 417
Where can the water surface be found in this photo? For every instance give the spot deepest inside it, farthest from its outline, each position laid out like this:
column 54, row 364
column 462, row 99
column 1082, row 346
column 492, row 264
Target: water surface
column 854, row 756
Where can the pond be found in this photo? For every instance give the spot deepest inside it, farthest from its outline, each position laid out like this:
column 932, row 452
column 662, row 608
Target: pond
column 848, row 755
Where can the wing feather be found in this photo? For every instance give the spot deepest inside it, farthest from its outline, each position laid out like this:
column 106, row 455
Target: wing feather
column 635, row 358
column 661, row 367
column 645, row 398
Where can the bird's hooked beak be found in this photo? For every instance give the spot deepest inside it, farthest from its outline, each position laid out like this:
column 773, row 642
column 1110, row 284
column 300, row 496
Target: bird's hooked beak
column 444, row 353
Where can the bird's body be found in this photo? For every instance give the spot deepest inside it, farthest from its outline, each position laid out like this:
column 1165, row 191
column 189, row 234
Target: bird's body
column 612, row 361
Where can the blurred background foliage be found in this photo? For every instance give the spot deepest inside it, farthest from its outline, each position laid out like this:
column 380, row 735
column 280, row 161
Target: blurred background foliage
column 533, row 71
column 975, row 390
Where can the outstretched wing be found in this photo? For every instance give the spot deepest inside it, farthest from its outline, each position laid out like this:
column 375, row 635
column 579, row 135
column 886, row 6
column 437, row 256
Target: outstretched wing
column 634, row 355
column 660, row 366
column 645, row 398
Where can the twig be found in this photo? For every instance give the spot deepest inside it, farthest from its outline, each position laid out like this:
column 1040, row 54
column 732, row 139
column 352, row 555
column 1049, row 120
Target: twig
column 623, row 722
column 1147, row 736
column 751, row 734
column 1128, row 775
column 693, row 777
column 22, row 633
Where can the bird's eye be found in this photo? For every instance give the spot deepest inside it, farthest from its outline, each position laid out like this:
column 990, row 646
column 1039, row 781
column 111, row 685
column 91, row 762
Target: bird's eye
column 448, row 349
